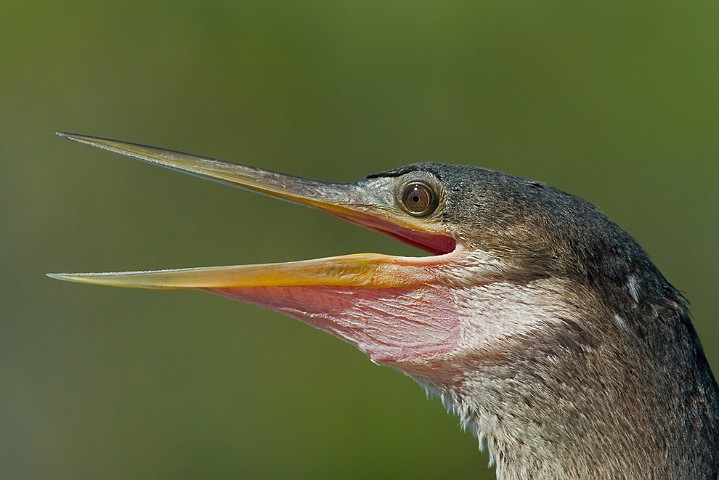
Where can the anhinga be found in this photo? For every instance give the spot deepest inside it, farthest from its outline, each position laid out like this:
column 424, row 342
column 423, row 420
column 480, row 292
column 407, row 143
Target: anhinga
column 536, row 319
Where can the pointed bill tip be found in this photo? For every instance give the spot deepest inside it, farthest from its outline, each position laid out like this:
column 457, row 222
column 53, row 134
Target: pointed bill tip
column 115, row 146
column 114, row 279
column 70, row 277
column 90, row 278
column 72, row 136
column 99, row 142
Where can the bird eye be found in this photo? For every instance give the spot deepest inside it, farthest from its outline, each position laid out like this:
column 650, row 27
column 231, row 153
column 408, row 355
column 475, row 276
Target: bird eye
column 419, row 199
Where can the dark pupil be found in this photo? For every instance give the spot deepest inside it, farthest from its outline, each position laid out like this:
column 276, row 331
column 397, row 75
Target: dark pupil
column 418, row 198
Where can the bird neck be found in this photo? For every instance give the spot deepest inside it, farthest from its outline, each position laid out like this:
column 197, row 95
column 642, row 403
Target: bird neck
column 596, row 413
column 594, row 394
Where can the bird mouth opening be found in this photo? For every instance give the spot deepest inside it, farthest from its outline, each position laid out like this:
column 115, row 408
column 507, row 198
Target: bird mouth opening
column 393, row 308
column 429, row 242
column 352, row 202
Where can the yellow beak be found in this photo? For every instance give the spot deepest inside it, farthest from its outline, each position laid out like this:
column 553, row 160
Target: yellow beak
column 369, row 204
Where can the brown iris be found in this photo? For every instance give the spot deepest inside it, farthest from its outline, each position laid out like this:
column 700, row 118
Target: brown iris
column 419, row 199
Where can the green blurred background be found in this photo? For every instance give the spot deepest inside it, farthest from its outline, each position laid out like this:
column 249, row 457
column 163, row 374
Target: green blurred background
column 615, row 101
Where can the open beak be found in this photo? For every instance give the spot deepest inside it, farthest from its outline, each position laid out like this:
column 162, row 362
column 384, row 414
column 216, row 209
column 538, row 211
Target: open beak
column 303, row 289
column 356, row 202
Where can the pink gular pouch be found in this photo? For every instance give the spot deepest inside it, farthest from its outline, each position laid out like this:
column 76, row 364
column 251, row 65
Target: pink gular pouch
column 394, row 309
column 537, row 319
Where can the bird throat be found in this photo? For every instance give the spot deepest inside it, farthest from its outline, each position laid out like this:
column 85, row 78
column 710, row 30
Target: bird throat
column 390, row 325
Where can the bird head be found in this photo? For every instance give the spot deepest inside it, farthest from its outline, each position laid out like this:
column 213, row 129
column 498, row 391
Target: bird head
column 416, row 314
column 534, row 317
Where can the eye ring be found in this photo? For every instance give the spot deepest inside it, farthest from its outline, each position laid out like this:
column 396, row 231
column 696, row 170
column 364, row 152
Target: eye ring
column 418, row 199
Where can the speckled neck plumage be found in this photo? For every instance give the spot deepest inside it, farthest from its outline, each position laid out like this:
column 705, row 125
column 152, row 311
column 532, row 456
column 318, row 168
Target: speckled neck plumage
column 536, row 319
column 612, row 382
column 608, row 403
